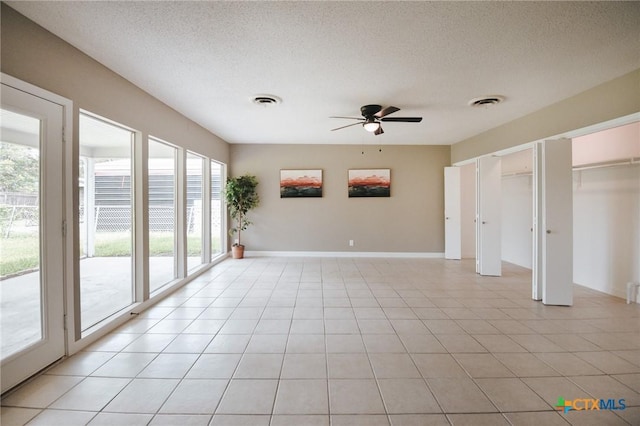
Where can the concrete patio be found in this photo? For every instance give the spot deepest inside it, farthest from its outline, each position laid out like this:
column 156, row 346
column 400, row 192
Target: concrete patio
column 106, row 288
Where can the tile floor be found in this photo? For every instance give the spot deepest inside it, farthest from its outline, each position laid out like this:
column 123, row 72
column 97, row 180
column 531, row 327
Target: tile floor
column 340, row 341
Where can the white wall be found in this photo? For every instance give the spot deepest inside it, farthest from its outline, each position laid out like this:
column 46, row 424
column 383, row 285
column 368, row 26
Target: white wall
column 606, row 228
column 606, row 210
column 517, row 208
column 619, row 143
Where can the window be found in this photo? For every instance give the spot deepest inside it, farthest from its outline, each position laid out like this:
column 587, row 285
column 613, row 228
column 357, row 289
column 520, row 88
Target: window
column 194, row 219
column 217, row 237
column 110, row 189
column 105, row 214
column 162, row 214
column 20, row 232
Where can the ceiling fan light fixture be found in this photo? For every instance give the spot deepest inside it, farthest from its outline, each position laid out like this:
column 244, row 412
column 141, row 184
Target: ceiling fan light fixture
column 372, row 115
column 371, row 125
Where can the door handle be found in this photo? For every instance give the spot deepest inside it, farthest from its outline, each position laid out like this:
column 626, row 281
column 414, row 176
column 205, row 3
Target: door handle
column 548, row 231
column 446, row 218
column 484, row 223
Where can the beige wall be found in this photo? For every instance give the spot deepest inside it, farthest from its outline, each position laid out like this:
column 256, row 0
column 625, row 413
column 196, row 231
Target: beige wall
column 608, row 101
column 410, row 221
column 32, row 54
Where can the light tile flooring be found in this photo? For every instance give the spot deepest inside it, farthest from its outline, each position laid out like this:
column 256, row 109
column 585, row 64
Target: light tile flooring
column 340, row 341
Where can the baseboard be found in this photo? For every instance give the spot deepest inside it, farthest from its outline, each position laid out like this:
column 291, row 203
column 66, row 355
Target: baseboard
column 414, row 255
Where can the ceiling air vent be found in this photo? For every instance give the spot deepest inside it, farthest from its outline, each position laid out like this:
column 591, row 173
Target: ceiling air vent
column 266, row 100
column 486, row 101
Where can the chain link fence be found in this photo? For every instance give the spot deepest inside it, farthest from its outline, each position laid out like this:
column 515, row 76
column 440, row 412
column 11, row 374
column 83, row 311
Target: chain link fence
column 161, row 218
column 19, row 214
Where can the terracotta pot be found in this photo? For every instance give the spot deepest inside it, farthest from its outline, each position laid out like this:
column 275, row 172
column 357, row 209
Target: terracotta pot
column 237, row 252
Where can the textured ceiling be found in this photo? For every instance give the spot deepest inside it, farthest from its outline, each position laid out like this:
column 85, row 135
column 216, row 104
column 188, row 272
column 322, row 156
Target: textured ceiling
column 209, row 59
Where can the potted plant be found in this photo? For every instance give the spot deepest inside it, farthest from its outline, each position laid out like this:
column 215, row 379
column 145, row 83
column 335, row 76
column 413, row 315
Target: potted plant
column 241, row 196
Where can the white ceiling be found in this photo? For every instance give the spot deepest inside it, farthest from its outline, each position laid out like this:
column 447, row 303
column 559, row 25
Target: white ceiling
column 209, row 59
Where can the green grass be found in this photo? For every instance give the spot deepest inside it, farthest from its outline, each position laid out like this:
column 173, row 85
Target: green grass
column 160, row 244
column 20, row 253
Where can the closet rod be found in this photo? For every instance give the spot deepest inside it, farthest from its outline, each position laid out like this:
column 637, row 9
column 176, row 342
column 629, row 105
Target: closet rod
column 630, row 162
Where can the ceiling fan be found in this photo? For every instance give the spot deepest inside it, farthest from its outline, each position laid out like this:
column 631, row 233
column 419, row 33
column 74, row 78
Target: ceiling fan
column 373, row 115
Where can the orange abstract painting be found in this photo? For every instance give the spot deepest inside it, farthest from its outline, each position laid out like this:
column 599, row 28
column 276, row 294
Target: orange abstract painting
column 369, row 183
column 300, row 183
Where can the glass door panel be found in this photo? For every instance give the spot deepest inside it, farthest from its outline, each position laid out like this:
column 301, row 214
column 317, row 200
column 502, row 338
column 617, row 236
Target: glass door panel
column 20, row 227
column 217, row 239
column 162, row 214
column 195, row 176
column 106, row 225
column 31, row 241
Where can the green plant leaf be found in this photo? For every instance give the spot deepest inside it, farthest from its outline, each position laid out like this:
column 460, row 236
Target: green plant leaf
column 241, row 195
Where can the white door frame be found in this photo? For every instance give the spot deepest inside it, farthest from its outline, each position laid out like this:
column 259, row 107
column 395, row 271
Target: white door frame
column 55, row 113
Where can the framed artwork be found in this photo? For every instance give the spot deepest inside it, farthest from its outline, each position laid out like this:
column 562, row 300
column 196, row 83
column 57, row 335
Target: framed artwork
column 300, row 183
column 369, row 183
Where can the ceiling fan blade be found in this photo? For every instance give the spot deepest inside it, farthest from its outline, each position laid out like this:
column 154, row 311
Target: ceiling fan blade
column 350, row 118
column 379, row 131
column 348, row 125
column 403, row 119
column 386, row 111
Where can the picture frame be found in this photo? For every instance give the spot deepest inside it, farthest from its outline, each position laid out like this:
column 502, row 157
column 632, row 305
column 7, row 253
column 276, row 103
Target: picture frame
column 300, row 183
column 369, row 183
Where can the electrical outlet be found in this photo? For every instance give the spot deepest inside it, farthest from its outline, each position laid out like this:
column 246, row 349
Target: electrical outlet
column 350, row 243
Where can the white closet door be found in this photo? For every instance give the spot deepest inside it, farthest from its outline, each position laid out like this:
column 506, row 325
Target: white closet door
column 557, row 223
column 452, row 222
column 488, row 222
